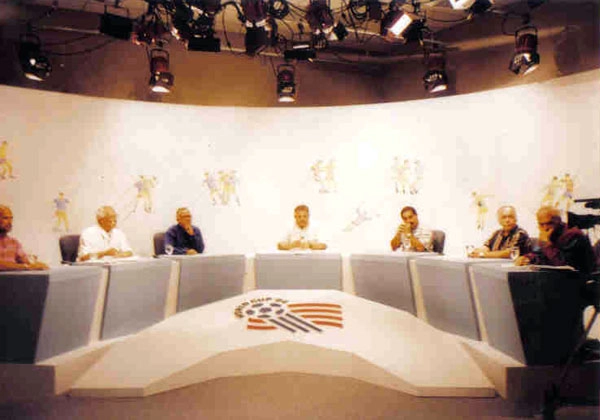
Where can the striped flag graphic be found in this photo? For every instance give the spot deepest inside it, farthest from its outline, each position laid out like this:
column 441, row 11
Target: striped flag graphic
column 272, row 314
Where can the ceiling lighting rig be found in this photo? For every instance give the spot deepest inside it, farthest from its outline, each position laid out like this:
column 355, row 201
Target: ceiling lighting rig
column 279, row 28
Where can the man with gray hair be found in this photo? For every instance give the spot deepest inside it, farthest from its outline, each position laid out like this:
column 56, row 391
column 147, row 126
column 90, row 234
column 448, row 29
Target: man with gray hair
column 502, row 241
column 184, row 238
column 104, row 239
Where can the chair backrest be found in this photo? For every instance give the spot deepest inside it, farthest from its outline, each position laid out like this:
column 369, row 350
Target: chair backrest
column 69, row 245
column 438, row 239
column 159, row 243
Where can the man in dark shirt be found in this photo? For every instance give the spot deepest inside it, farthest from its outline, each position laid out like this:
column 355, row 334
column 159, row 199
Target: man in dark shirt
column 502, row 241
column 559, row 244
column 184, row 238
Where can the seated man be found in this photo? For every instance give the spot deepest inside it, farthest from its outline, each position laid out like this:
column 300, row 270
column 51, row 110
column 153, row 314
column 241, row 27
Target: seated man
column 12, row 256
column 510, row 236
column 409, row 235
column 184, row 238
column 559, row 244
column 103, row 240
column 301, row 236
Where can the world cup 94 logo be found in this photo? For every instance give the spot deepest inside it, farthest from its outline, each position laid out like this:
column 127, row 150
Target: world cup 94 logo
column 269, row 313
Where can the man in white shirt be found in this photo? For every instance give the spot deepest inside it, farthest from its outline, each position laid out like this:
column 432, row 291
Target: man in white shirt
column 103, row 240
column 301, row 236
column 409, row 235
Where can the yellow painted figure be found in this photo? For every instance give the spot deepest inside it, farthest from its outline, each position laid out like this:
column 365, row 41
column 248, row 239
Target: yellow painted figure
column 568, row 186
column 213, row 186
column 324, row 174
column 6, row 169
column 60, row 212
column 145, row 185
column 229, row 183
column 551, row 194
column 481, row 208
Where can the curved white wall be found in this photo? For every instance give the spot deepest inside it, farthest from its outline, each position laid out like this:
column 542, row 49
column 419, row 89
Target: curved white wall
column 508, row 143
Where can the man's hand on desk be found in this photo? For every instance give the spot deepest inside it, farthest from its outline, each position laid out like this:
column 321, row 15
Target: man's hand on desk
column 522, row 260
column 479, row 253
column 190, row 252
column 299, row 244
column 37, row 265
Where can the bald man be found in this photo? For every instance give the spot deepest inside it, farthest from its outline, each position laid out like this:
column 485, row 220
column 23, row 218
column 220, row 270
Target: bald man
column 559, row 244
column 104, row 239
column 509, row 236
column 12, row 256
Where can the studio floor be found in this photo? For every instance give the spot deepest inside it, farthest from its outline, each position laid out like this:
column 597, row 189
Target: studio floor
column 283, row 396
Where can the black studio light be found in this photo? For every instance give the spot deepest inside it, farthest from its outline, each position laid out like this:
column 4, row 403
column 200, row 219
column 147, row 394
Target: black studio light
column 435, row 79
column 286, row 83
column 398, row 24
column 525, row 58
column 161, row 79
column 34, row 63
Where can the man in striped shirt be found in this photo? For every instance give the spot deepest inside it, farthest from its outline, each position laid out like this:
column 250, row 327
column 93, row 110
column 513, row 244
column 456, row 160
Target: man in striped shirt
column 12, row 256
column 410, row 236
column 502, row 241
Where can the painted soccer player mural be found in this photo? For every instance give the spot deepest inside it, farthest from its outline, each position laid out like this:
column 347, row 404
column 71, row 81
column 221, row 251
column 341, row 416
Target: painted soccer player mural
column 565, row 200
column 229, row 183
column 481, row 207
column 60, row 212
column 222, row 186
column 360, row 217
column 551, row 192
column 407, row 175
column 145, row 188
column 6, row 168
column 324, row 174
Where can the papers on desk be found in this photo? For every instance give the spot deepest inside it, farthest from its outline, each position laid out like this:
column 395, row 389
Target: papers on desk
column 109, row 260
column 552, row 268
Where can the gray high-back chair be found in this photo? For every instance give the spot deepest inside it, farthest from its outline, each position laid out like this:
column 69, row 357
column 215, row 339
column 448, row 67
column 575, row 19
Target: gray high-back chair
column 69, row 245
column 159, row 243
column 438, row 240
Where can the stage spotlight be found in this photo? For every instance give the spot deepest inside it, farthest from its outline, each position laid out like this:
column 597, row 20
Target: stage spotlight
column 435, row 78
column 34, row 64
column 319, row 17
column 525, row 57
column 161, row 79
column 116, row 26
column 400, row 25
column 286, row 84
column 474, row 6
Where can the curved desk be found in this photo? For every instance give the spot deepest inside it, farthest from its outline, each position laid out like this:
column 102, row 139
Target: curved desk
column 448, row 297
column 207, row 278
column 46, row 313
column 298, row 270
column 386, row 278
